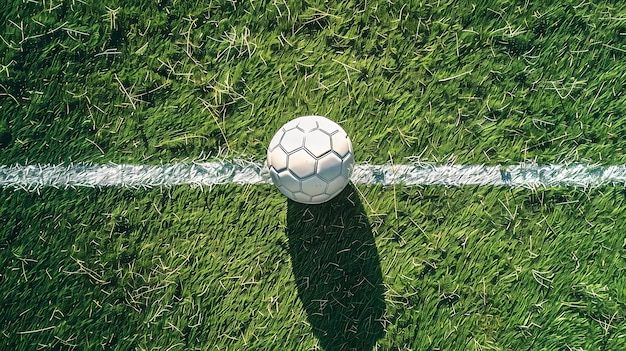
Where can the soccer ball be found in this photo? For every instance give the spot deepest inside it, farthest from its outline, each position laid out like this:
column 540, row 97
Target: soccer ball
column 310, row 159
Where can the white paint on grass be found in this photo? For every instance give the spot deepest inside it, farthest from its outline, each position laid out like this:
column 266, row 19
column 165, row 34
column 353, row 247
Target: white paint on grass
column 528, row 176
column 34, row 177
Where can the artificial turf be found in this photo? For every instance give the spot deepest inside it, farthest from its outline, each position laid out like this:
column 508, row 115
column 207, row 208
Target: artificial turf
column 239, row 267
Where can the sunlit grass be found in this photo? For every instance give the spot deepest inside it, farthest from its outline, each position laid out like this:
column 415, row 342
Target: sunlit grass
column 155, row 81
column 184, row 268
column 461, row 268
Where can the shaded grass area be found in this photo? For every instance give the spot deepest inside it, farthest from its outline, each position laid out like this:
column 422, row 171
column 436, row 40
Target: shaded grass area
column 157, row 81
column 181, row 268
column 337, row 271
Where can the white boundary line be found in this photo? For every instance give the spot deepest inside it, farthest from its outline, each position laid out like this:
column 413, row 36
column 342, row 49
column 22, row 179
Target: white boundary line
column 34, row 177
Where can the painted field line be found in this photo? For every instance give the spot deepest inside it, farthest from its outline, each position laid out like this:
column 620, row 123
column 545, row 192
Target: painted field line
column 33, row 177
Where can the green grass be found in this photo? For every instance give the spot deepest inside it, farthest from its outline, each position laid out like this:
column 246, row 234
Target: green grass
column 155, row 81
column 234, row 267
column 467, row 268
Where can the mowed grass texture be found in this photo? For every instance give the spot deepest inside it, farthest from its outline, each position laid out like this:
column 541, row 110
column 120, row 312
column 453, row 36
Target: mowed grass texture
column 389, row 268
column 155, row 81
column 241, row 268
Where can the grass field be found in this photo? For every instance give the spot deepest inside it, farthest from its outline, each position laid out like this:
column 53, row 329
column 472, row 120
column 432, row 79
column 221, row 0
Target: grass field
column 378, row 268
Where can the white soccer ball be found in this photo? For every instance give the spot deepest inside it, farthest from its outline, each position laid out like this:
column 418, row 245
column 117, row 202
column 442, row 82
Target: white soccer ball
column 310, row 159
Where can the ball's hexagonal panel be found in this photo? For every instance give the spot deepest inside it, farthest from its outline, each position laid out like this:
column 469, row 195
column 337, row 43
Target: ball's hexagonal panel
column 310, row 159
column 292, row 140
column 314, row 185
column 318, row 199
column 277, row 159
column 317, row 142
column 275, row 177
column 348, row 165
column 329, row 167
column 301, row 197
column 291, row 124
column 289, row 181
column 276, row 140
column 301, row 163
column 336, row 186
column 328, row 126
column 341, row 144
column 307, row 124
